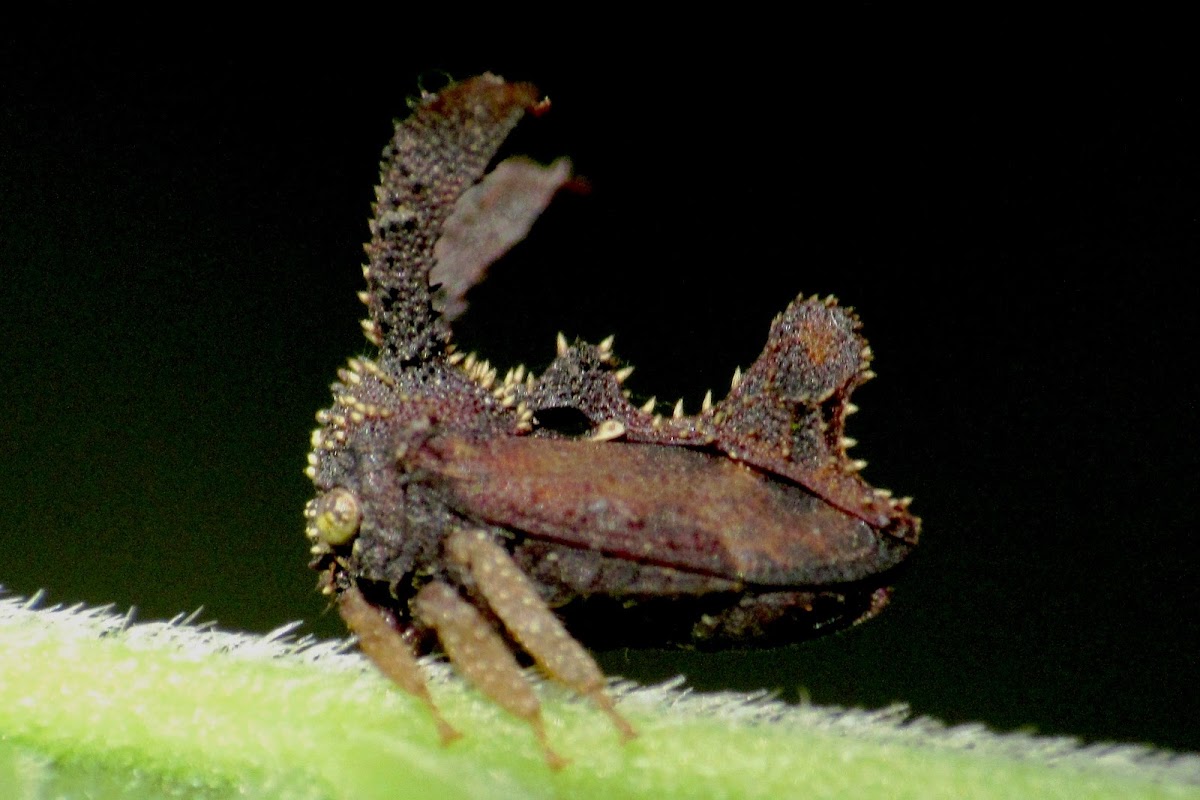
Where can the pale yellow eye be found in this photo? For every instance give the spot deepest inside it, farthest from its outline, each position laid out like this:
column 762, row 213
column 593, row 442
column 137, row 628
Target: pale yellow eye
column 337, row 516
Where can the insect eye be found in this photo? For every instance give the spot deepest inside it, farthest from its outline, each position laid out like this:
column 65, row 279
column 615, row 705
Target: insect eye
column 338, row 516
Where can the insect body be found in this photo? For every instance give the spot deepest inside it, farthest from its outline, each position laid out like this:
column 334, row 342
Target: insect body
column 448, row 515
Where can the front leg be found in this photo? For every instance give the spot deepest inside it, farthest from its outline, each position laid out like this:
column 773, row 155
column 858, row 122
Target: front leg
column 387, row 649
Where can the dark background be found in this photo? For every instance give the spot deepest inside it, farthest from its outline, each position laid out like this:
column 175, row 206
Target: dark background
column 1016, row 223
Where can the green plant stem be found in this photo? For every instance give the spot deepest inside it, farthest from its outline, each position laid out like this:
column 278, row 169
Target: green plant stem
column 91, row 702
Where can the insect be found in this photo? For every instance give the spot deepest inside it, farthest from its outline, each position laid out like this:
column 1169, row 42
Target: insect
column 450, row 514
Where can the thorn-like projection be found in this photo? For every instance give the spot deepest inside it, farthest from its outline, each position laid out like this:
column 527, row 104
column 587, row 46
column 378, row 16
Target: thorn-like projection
column 648, row 406
column 737, row 378
column 706, row 404
column 623, row 374
column 606, row 345
column 371, row 330
column 608, row 430
column 480, row 371
column 560, row 344
column 677, row 412
column 858, row 465
column 848, row 442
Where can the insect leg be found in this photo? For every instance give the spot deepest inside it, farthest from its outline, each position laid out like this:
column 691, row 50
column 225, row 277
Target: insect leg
column 390, row 653
column 482, row 656
column 516, row 602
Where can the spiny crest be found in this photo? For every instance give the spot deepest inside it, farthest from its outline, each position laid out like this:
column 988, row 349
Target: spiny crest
column 785, row 413
column 436, row 153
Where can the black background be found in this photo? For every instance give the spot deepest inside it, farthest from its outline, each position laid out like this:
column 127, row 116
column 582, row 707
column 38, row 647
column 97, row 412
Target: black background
column 1016, row 222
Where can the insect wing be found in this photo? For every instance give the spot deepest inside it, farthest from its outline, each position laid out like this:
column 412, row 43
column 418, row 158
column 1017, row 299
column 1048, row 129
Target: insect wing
column 668, row 506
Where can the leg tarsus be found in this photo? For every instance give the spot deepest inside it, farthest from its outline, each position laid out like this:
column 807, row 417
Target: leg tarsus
column 447, row 733
column 604, row 701
column 553, row 759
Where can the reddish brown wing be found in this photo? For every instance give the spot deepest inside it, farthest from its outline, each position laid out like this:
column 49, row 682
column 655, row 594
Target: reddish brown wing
column 669, row 506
